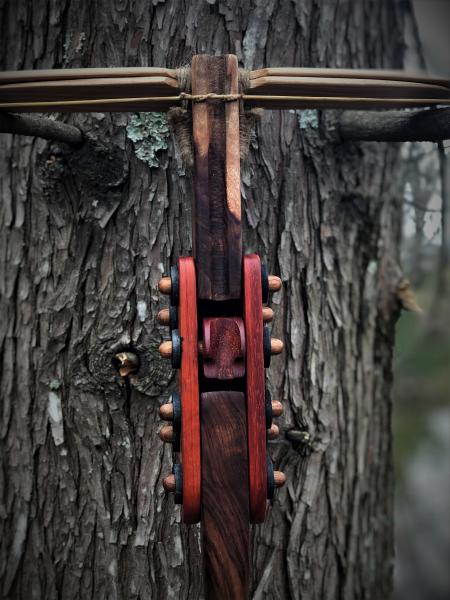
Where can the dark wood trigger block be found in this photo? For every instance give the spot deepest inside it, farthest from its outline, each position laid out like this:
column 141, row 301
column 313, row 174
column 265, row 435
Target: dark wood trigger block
column 223, row 348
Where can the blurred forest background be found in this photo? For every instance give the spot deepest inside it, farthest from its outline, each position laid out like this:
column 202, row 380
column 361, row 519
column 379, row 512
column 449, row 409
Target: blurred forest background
column 422, row 365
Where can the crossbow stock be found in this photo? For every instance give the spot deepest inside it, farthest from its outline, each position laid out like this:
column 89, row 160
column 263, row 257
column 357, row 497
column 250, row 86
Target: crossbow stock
column 221, row 414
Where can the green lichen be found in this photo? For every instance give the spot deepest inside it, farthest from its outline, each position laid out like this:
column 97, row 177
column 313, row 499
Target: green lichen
column 149, row 132
column 54, row 384
column 308, row 118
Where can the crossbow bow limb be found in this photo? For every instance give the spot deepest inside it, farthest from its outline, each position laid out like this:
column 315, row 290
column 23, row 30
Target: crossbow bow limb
column 221, row 414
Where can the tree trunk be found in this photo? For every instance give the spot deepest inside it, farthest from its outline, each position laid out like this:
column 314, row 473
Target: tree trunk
column 85, row 236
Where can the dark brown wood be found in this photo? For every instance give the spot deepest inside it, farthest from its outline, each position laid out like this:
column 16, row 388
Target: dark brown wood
column 217, row 210
column 346, row 87
column 223, row 348
column 225, row 512
column 387, row 74
column 89, row 89
column 218, row 254
column 45, row 75
column 145, row 104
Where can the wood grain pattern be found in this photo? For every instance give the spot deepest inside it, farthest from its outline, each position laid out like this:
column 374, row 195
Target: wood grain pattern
column 223, row 348
column 163, row 104
column 125, row 104
column 273, row 102
column 189, row 392
column 256, row 418
column 350, row 87
column 217, row 211
column 387, row 74
column 88, row 89
column 151, row 88
column 225, row 513
column 43, row 75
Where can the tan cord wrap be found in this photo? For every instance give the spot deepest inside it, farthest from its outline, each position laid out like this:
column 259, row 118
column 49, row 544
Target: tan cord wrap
column 180, row 118
column 338, row 101
column 211, row 96
column 183, row 75
column 180, row 123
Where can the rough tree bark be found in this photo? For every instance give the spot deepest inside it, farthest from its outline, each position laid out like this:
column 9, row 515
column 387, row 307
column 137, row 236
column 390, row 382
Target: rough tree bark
column 85, row 236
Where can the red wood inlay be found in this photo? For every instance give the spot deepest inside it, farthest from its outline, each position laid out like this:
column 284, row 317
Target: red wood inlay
column 256, row 417
column 223, row 348
column 189, row 390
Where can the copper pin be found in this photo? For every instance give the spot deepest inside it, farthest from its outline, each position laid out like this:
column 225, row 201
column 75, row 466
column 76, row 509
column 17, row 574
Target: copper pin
column 169, row 483
column 276, row 346
column 273, row 432
column 274, row 283
column 166, row 412
column 165, row 285
column 165, row 349
column 166, row 434
column 164, row 316
column 277, row 408
column 267, row 314
column 279, row 478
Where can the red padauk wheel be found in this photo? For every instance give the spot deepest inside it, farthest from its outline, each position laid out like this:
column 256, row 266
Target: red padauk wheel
column 189, row 390
column 256, row 417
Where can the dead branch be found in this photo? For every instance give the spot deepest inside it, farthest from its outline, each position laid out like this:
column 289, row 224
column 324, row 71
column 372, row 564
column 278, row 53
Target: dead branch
column 394, row 126
column 41, row 127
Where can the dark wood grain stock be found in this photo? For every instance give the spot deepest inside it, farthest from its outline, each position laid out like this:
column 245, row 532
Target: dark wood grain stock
column 218, row 258
column 225, row 512
column 223, row 348
column 217, row 214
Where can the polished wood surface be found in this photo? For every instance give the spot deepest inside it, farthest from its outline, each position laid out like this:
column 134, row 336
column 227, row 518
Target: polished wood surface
column 92, row 89
column 157, row 89
column 189, row 391
column 386, row 74
column 338, row 86
column 225, row 512
column 217, row 206
column 255, row 387
column 218, row 254
column 44, row 75
column 223, row 348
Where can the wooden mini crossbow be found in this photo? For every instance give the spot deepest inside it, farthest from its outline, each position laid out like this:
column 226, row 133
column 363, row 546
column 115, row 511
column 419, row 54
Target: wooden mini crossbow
column 221, row 415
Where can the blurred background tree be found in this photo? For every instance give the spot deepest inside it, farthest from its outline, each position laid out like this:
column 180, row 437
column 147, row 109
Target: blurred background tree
column 422, row 364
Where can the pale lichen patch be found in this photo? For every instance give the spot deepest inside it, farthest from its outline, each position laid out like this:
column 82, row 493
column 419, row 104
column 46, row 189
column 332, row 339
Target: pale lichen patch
column 55, row 416
column 308, row 118
column 142, row 310
column 149, row 132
